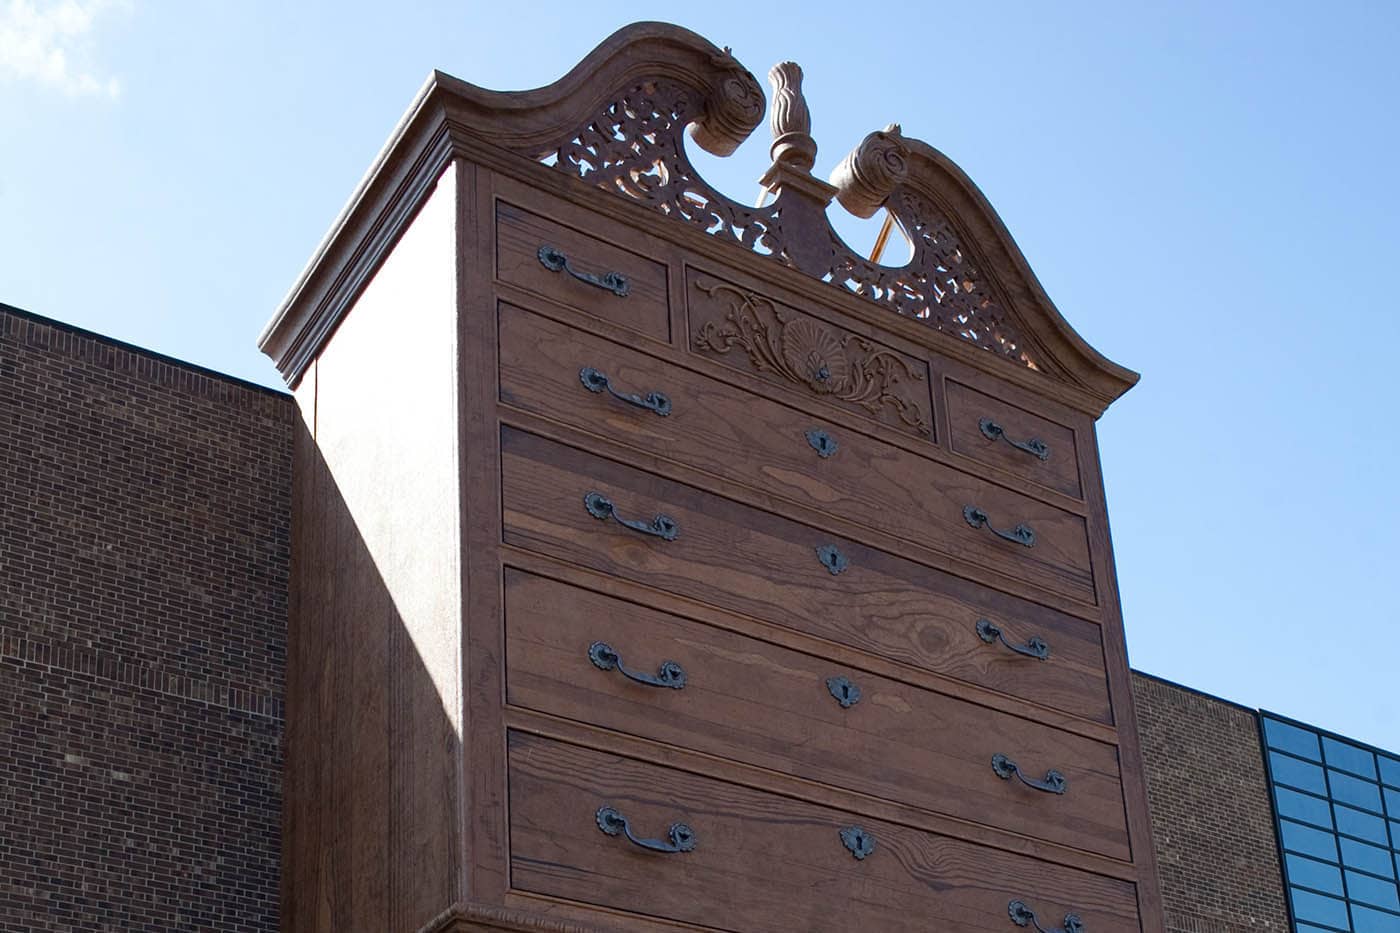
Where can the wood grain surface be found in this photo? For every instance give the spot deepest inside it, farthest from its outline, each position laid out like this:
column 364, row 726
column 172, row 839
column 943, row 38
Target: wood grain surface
column 763, row 565
column 751, row 701
column 763, row 862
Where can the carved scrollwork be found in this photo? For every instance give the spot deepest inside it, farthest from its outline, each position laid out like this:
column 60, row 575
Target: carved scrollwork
column 849, row 367
column 634, row 148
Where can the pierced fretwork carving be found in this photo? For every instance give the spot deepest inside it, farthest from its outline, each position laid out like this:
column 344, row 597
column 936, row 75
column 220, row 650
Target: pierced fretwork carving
column 801, row 350
column 635, row 147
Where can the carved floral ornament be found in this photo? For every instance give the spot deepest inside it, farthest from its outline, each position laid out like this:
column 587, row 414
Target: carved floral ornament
column 634, row 146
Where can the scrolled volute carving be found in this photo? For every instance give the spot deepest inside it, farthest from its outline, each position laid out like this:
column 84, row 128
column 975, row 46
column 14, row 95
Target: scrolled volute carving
column 868, row 175
column 733, row 107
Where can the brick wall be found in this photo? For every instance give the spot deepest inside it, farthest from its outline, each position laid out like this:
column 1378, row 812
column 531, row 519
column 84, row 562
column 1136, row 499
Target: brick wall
column 1212, row 822
column 143, row 575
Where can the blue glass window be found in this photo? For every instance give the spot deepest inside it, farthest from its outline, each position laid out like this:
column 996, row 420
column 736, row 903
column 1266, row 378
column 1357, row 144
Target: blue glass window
column 1304, row 807
column 1337, row 804
column 1374, row 921
column 1370, row 890
column 1308, row 841
column 1356, row 823
column 1349, row 757
column 1354, row 791
column 1291, row 739
column 1320, row 909
column 1366, row 857
column 1314, row 874
column 1297, row 773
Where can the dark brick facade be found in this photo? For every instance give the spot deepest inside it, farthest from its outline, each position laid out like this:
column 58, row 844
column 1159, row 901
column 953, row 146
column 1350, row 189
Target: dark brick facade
column 144, row 510
column 1212, row 822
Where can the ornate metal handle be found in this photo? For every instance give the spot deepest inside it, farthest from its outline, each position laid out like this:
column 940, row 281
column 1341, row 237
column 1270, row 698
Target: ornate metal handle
column 843, row 691
column 601, row 507
column 1021, row 534
column 823, row 443
column 1021, row 915
column 1054, row 783
column 858, row 842
column 995, row 432
column 681, row 836
column 832, row 559
column 555, row 261
column 596, row 381
column 669, row 674
column 1035, row 648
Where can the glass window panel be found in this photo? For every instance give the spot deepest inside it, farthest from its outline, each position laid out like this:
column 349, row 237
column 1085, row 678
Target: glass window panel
column 1356, row 823
column 1320, row 909
column 1366, row 857
column 1392, row 802
column 1291, row 739
column 1303, row 807
column 1297, row 773
column 1311, row 874
column 1354, row 791
column 1367, row 920
column 1390, row 770
column 1309, row 841
column 1349, row 758
column 1309, row 928
column 1372, row 890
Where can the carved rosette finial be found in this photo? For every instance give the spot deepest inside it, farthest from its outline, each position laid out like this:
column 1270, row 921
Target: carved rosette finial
column 871, row 172
column 791, row 121
column 733, row 107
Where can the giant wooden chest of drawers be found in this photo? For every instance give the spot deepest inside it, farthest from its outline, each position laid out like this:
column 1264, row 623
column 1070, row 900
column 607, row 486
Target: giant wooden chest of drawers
column 659, row 564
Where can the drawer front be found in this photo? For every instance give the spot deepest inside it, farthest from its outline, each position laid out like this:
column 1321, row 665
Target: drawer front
column 594, row 659
column 804, row 354
column 761, row 862
column 576, row 269
column 1003, row 435
column 759, row 442
column 753, row 562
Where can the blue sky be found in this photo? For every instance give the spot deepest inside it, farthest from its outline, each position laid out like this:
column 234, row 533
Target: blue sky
column 1207, row 191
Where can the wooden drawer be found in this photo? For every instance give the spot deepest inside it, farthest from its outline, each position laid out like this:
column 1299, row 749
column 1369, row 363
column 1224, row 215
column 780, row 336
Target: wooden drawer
column 761, row 862
column 640, row 304
column 800, row 353
column 759, row 442
column 747, row 700
column 754, row 562
column 1003, row 435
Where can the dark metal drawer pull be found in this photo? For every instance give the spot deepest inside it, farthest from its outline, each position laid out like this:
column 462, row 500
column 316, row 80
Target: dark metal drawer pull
column 1005, row 768
column 1021, row 534
column 858, row 842
column 555, row 261
column 824, row 444
column 1034, row 648
column 845, row 692
column 832, row 559
column 1021, row 915
column 995, row 432
column 596, row 381
column 681, row 836
column 601, row 507
column 669, row 674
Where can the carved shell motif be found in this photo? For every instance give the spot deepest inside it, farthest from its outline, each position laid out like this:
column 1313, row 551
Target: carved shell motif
column 816, row 356
column 799, row 349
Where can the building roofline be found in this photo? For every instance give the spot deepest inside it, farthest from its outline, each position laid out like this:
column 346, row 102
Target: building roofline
column 133, row 348
column 1200, row 693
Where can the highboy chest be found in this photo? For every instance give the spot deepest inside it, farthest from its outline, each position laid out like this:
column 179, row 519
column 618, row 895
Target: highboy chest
column 662, row 563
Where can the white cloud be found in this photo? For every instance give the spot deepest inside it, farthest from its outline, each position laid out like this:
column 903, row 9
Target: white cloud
column 50, row 42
